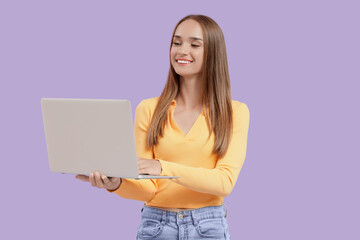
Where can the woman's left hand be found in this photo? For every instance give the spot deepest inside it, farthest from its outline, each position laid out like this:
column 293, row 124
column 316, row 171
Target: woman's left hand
column 149, row 166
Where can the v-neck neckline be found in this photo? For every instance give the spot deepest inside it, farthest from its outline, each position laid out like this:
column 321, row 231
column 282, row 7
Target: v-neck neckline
column 178, row 127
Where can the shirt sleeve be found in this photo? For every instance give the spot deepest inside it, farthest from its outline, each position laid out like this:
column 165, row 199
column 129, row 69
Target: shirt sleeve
column 144, row 189
column 221, row 179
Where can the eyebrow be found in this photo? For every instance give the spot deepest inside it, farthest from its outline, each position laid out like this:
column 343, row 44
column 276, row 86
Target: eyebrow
column 194, row 38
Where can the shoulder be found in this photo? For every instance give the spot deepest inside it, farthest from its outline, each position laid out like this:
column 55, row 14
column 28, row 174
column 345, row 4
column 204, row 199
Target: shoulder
column 147, row 106
column 238, row 106
column 241, row 114
column 149, row 103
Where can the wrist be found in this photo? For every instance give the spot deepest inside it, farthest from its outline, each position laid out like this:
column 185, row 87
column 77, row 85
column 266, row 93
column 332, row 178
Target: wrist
column 116, row 188
column 160, row 166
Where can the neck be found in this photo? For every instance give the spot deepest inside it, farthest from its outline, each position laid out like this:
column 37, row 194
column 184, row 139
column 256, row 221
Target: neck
column 190, row 95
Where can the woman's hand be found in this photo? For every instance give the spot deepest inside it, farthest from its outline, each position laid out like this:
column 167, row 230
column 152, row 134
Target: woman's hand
column 149, row 166
column 101, row 181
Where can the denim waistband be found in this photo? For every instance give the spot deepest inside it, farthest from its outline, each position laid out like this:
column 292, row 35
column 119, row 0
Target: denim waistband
column 184, row 217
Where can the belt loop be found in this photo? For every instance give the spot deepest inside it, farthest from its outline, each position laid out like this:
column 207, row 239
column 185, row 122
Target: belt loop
column 163, row 217
column 193, row 217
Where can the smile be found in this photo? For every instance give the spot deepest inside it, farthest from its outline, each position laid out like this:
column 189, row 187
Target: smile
column 182, row 61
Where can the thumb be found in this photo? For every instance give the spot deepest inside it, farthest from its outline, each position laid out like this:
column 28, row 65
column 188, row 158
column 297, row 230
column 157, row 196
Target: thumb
column 82, row 178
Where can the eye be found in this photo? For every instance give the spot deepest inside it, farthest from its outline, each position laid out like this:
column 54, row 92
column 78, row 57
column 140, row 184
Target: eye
column 194, row 45
column 176, row 43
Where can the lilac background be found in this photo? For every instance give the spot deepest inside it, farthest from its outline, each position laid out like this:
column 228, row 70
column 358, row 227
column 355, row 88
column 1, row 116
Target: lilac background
column 294, row 63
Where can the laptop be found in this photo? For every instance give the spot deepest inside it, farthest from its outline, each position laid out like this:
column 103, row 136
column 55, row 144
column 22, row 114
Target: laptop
column 88, row 135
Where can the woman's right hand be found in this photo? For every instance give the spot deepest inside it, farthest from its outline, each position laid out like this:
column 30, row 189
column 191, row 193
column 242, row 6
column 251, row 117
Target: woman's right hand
column 101, row 181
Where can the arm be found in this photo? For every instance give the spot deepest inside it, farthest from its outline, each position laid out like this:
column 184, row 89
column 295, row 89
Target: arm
column 144, row 189
column 220, row 180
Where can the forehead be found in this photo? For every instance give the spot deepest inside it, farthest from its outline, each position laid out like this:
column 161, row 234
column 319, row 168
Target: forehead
column 189, row 28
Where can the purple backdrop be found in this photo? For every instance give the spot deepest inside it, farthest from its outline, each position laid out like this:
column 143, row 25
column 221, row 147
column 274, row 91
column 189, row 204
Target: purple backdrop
column 294, row 63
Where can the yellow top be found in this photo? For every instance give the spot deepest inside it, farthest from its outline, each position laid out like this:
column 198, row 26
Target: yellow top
column 204, row 179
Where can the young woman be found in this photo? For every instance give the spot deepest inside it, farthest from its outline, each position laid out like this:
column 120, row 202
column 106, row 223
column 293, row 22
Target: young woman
column 193, row 130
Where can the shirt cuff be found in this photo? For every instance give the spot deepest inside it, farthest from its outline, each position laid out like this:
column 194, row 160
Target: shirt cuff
column 166, row 168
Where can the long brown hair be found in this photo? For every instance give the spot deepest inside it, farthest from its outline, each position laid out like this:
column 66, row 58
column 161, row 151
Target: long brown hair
column 216, row 96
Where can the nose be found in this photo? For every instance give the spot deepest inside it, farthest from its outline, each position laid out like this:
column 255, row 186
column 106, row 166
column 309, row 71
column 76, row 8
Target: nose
column 184, row 49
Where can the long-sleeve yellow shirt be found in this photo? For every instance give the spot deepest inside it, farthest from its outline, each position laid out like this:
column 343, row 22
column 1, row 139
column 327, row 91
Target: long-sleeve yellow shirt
column 204, row 178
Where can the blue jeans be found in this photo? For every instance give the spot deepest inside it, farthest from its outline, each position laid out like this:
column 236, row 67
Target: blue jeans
column 202, row 223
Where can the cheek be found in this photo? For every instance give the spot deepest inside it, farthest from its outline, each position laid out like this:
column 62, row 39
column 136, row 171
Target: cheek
column 172, row 62
column 200, row 54
column 172, row 51
column 172, row 55
column 200, row 58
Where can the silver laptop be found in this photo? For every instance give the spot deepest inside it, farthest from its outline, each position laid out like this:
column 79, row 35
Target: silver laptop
column 87, row 135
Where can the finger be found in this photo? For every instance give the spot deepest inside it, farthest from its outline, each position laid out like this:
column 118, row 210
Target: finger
column 83, row 178
column 141, row 167
column 99, row 183
column 141, row 162
column 106, row 180
column 143, row 170
column 92, row 180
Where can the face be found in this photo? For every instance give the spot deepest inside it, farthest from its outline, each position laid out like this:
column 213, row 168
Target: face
column 187, row 50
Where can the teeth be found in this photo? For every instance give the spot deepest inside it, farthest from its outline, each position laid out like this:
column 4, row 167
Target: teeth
column 182, row 61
